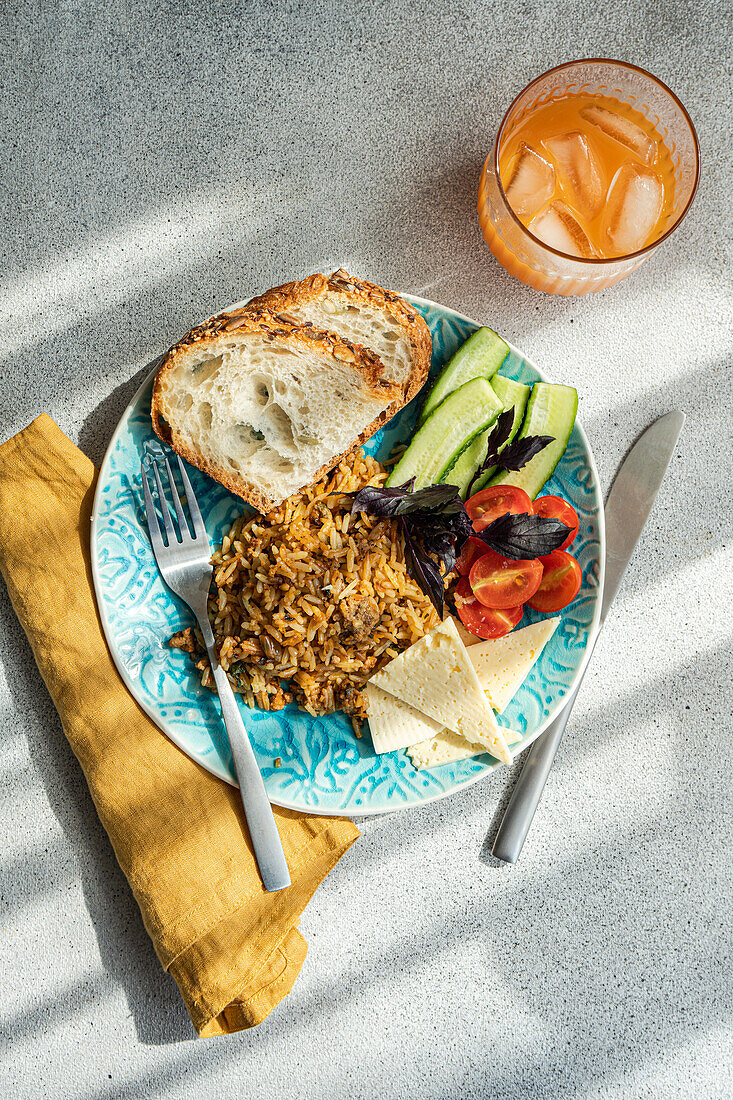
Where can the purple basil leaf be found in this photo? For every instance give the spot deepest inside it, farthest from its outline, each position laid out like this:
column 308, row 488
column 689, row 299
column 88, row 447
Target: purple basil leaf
column 444, row 539
column 379, row 502
column 400, row 500
column 524, row 536
column 435, row 525
column 434, row 529
column 496, row 440
column 520, row 451
column 499, row 433
column 423, row 570
column 441, row 544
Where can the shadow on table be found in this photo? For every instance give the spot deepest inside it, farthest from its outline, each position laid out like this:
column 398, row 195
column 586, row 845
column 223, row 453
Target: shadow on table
column 619, row 971
column 102, row 421
column 125, row 949
column 130, row 962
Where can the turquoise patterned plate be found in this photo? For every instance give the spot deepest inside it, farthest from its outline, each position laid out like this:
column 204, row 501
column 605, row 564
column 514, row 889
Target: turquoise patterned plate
column 325, row 769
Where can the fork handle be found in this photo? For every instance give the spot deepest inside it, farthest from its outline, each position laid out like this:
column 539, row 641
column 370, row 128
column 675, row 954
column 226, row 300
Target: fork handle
column 266, row 841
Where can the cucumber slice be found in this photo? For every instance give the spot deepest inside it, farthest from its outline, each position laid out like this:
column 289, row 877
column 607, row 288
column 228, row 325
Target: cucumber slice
column 469, row 410
column 480, row 357
column 513, row 395
column 551, row 411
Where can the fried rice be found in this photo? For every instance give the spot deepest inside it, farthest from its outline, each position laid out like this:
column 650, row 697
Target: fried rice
column 310, row 601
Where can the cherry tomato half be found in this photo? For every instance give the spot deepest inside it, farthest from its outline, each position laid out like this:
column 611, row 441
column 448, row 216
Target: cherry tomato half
column 472, row 550
column 484, row 622
column 557, row 508
column 561, row 581
column 500, row 582
column 495, row 501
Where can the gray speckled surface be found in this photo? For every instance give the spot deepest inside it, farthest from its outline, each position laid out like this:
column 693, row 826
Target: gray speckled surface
column 166, row 159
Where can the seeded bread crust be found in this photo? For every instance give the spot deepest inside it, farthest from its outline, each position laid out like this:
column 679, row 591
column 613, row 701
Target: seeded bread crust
column 280, row 298
column 274, row 328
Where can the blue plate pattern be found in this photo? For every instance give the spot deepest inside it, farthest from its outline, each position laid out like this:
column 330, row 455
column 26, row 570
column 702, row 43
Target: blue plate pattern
column 325, row 768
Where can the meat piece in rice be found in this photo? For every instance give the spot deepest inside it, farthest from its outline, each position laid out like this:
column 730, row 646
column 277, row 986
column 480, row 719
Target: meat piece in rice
column 361, row 615
column 184, row 640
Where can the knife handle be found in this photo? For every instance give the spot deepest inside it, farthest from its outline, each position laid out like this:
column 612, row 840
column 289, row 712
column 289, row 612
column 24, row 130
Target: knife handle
column 529, row 787
column 528, row 790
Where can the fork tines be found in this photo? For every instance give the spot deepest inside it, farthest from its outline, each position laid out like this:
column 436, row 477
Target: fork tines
column 172, row 535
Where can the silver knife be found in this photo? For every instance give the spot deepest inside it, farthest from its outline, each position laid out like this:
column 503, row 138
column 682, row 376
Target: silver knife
column 629, row 503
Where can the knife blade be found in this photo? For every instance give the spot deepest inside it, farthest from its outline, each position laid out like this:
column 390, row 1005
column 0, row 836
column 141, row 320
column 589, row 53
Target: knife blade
column 629, row 503
column 632, row 495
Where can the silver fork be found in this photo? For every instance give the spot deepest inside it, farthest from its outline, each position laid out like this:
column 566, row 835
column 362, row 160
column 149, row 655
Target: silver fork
column 185, row 565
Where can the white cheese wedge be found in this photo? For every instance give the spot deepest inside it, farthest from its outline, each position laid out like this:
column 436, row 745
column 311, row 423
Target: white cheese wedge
column 436, row 677
column 394, row 724
column 446, row 747
column 503, row 664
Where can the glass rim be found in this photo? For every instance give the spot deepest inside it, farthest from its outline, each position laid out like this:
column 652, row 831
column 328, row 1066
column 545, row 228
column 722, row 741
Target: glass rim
column 599, row 260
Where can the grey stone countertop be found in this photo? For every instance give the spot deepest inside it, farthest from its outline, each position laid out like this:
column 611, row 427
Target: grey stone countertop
column 163, row 160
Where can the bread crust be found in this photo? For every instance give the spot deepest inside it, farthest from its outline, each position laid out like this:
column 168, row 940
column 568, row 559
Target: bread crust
column 279, row 298
column 265, row 323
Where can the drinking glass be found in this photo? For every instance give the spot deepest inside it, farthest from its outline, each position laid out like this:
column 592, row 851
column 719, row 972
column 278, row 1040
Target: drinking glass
column 515, row 247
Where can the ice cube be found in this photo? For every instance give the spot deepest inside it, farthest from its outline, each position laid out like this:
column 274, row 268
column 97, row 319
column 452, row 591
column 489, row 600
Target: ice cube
column 621, row 129
column 558, row 227
column 577, row 171
column 635, row 201
column 531, row 182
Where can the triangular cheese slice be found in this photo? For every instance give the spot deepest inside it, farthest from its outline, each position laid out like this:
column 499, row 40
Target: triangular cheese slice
column 446, row 747
column 503, row 664
column 394, row 724
column 435, row 676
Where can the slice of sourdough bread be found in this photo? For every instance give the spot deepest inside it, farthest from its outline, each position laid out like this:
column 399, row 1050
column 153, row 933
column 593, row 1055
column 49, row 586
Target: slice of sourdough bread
column 266, row 407
column 362, row 313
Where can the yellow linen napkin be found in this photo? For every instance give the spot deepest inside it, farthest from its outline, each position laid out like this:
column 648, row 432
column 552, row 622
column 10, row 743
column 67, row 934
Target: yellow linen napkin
column 179, row 834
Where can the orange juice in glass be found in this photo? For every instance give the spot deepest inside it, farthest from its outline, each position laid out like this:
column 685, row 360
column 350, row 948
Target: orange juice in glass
column 595, row 164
